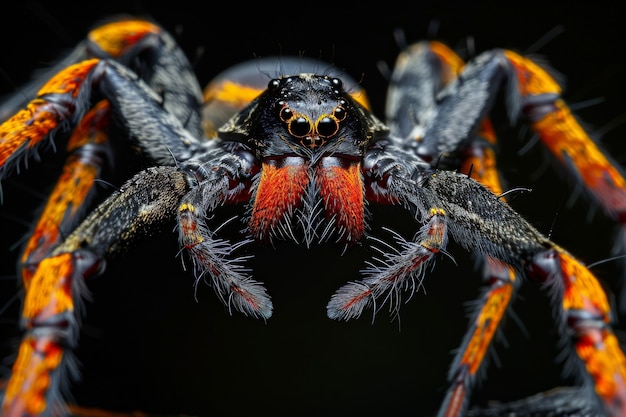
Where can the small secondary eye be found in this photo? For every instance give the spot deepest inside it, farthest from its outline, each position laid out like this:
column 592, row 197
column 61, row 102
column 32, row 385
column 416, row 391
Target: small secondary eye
column 340, row 113
column 273, row 84
column 285, row 114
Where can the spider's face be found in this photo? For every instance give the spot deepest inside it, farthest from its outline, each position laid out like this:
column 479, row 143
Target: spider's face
column 311, row 116
column 309, row 137
column 306, row 115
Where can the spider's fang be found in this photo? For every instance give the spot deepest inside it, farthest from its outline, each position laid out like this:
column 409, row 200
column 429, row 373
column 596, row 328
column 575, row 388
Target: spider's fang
column 341, row 188
column 289, row 185
column 280, row 190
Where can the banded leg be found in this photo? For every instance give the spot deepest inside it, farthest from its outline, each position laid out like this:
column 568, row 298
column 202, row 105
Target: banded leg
column 54, row 294
column 401, row 270
column 88, row 150
column 29, row 127
column 533, row 95
column 485, row 322
column 459, row 107
column 410, row 108
column 586, row 313
column 67, row 95
column 65, row 99
column 53, row 289
column 48, row 114
column 440, row 122
column 584, row 161
column 212, row 256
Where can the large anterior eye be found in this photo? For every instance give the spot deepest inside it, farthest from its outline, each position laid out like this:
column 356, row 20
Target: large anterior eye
column 300, row 126
column 327, row 126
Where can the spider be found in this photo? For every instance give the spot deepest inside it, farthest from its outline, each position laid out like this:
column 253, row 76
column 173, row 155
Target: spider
column 273, row 156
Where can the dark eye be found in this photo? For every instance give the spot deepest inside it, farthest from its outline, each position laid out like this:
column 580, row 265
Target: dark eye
column 340, row 113
column 273, row 84
column 327, row 126
column 299, row 127
column 285, row 114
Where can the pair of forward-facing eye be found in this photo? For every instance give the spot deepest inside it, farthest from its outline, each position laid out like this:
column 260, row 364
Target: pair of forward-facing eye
column 301, row 126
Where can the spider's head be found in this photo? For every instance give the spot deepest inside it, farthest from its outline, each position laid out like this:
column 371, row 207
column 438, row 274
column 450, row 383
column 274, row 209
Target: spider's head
column 311, row 110
column 305, row 115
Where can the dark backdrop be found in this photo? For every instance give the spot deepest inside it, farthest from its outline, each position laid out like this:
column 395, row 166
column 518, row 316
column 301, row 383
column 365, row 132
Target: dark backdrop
column 148, row 344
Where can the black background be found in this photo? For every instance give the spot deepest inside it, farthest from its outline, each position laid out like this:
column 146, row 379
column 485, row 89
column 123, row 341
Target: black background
column 148, row 344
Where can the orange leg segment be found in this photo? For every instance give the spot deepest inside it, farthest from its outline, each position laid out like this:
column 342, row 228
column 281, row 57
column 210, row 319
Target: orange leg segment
column 116, row 38
column 47, row 314
column 30, row 126
column 63, row 209
column 479, row 338
column 49, row 300
column 479, row 161
column 53, row 280
column 566, row 139
column 586, row 311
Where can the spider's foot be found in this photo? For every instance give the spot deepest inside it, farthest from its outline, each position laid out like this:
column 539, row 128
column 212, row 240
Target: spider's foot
column 230, row 279
column 350, row 301
column 399, row 270
column 248, row 297
column 233, row 286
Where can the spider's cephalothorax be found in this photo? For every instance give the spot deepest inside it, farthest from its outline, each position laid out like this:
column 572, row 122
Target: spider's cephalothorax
column 309, row 110
column 306, row 159
column 309, row 138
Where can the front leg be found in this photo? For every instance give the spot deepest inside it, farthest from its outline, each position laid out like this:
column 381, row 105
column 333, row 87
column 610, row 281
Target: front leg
column 54, row 295
column 221, row 179
column 71, row 93
column 400, row 270
column 489, row 228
